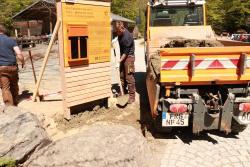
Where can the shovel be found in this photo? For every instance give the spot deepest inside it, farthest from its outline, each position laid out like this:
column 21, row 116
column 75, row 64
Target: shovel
column 34, row 74
column 122, row 100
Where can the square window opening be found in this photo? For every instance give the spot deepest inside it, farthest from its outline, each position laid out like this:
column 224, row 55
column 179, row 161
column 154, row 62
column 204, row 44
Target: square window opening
column 74, row 47
column 83, row 47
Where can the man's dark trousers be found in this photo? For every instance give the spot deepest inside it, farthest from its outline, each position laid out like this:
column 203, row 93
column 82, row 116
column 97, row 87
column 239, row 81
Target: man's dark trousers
column 127, row 74
column 9, row 84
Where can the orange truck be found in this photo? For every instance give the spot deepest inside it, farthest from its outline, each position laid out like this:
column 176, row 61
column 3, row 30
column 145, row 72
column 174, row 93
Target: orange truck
column 205, row 88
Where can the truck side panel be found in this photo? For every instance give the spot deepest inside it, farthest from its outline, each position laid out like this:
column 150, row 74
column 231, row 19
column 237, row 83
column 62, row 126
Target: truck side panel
column 188, row 65
column 153, row 92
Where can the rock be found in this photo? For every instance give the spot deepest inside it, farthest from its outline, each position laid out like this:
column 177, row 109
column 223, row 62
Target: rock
column 112, row 102
column 20, row 134
column 100, row 145
column 96, row 108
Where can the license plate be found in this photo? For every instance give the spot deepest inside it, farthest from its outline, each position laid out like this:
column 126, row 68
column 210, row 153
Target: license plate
column 174, row 119
column 243, row 118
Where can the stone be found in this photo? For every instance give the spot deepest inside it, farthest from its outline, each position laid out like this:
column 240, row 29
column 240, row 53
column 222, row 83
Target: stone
column 20, row 134
column 99, row 145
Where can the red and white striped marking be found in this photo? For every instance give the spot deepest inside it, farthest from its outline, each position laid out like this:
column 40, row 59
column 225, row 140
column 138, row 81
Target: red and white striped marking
column 202, row 64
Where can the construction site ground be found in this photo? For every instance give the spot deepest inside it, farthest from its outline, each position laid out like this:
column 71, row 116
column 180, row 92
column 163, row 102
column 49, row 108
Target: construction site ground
column 179, row 148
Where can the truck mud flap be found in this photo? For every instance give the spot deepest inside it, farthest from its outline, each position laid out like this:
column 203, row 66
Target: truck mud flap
column 203, row 121
column 227, row 114
column 198, row 115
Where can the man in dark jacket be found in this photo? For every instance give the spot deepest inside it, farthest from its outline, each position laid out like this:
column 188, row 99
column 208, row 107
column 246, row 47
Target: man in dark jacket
column 127, row 60
column 9, row 52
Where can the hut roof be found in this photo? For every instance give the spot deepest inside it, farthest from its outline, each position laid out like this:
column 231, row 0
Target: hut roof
column 37, row 11
column 45, row 8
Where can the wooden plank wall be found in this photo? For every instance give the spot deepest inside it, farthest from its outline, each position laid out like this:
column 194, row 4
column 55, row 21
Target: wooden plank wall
column 97, row 19
column 86, row 84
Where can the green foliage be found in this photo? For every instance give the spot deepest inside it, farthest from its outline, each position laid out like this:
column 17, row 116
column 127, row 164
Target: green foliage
column 7, row 162
column 215, row 14
column 125, row 8
column 237, row 12
column 9, row 8
column 130, row 9
column 229, row 15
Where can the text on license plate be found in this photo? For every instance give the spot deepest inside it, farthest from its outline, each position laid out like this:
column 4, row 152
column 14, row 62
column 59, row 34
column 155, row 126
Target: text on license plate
column 174, row 119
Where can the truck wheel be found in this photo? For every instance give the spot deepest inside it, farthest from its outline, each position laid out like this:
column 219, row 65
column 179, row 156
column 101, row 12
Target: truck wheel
column 236, row 127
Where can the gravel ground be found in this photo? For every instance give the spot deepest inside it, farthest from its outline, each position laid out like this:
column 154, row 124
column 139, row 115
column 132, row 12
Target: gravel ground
column 51, row 81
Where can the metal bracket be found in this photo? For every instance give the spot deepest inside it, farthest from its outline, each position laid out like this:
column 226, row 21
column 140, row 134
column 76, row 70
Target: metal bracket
column 227, row 114
column 248, row 89
column 179, row 101
column 198, row 115
column 242, row 99
column 243, row 64
column 196, row 98
column 191, row 66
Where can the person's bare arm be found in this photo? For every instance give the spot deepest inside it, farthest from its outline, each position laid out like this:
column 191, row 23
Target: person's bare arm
column 19, row 55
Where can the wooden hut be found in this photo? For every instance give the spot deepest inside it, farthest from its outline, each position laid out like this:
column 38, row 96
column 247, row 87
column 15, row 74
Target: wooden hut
column 84, row 48
column 40, row 11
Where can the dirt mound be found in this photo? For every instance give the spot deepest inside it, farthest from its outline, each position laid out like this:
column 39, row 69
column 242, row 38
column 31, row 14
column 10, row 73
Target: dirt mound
column 191, row 43
column 155, row 66
column 125, row 116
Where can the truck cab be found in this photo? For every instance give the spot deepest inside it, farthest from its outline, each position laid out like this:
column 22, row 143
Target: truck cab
column 176, row 15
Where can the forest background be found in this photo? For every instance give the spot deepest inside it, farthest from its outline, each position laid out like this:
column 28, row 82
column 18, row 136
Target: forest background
column 223, row 15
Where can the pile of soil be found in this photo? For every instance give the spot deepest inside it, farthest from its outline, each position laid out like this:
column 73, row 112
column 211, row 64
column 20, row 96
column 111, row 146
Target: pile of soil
column 181, row 43
column 155, row 63
column 124, row 116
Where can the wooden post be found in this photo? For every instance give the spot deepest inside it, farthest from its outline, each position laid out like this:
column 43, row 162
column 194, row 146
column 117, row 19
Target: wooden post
column 35, row 92
column 16, row 34
column 28, row 24
column 34, row 74
column 66, row 108
column 51, row 27
column 32, row 65
column 50, row 22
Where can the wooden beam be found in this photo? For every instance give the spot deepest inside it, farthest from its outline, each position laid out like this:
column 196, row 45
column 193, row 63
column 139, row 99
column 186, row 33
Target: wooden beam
column 16, row 33
column 34, row 73
column 28, row 24
column 50, row 22
column 66, row 107
column 35, row 92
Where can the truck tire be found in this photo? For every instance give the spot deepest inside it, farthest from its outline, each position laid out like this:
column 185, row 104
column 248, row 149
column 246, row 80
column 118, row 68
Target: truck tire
column 236, row 127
